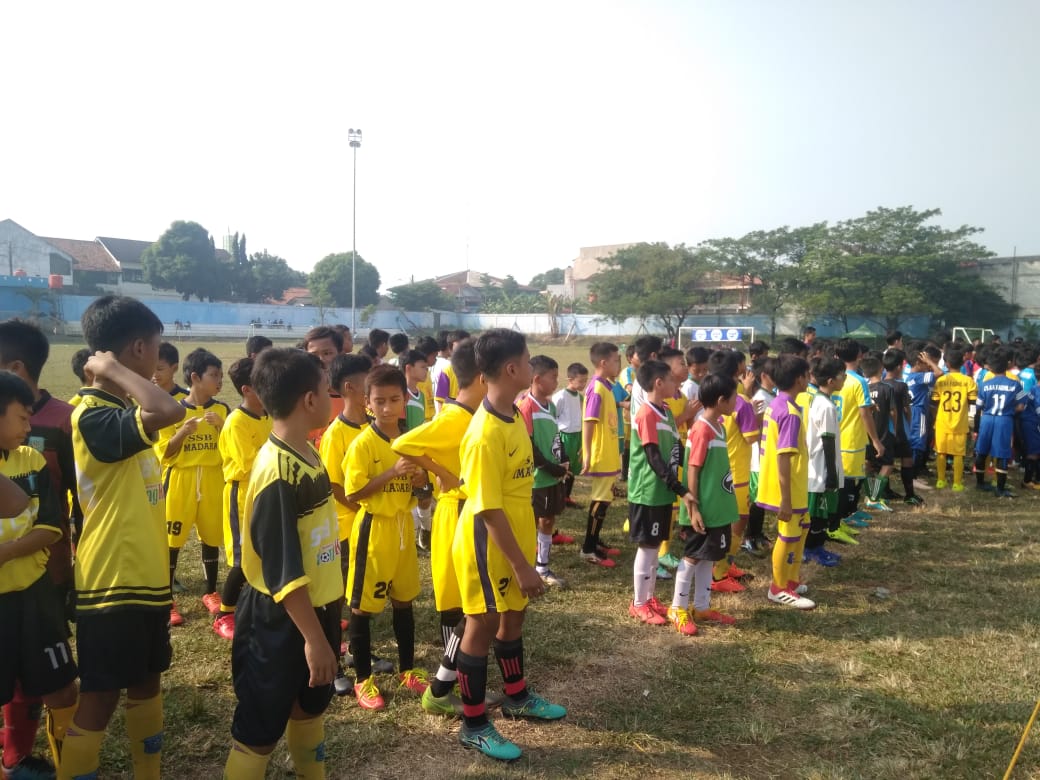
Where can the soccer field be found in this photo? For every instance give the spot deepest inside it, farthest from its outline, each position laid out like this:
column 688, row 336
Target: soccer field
column 932, row 677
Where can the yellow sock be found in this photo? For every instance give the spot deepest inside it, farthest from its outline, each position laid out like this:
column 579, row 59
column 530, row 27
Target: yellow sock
column 794, row 568
column 58, row 721
column 958, row 470
column 144, row 727
column 666, row 542
column 781, row 551
column 940, row 467
column 244, row 764
column 80, row 753
column 306, row 742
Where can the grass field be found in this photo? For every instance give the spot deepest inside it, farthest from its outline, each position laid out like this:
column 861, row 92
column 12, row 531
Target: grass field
column 934, row 681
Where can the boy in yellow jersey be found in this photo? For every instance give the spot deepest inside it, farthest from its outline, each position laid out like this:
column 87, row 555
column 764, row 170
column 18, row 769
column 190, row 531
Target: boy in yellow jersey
column 35, row 658
column 122, row 580
column 494, row 545
column 383, row 561
column 194, row 476
column 783, row 483
column 445, row 384
column 165, row 375
column 283, row 656
column 435, row 448
column 245, row 431
column 78, row 361
column 599, row 451
column 413, row 364
column 954, row 394
column 428, row 346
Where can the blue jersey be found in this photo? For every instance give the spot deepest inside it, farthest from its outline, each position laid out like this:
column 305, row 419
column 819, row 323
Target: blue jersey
column 920, row 384
column 1027, row 376
column 999, row 395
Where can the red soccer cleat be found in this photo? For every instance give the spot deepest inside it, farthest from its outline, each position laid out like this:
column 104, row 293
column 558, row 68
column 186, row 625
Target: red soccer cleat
column 727, row 585
column 613, row 552
column 212, row 602
column 176, row 619
column 558, row 538
column 224, row 626
column 646, row 615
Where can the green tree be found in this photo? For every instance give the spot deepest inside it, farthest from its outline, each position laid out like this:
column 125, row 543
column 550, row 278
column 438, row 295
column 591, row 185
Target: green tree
column 544, row 279
column 183, row 259
column 656, row 280
column 271, row 276
column 331, row 277
column 420, row 296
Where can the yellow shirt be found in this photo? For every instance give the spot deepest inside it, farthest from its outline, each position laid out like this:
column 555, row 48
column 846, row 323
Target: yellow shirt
column 439, row 441
column 742, row 431
column 854, row 394
column 240, row 440
column 427, row 390
column 27, row 468
column 783, row 431
column 497, row 465
column 334, row 445
column 369, row 456
column 200, row 448
column 604, row 456
column 955, row 394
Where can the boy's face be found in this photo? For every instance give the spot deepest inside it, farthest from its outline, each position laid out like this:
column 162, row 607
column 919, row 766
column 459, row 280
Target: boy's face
column 837, row 383
column 698, row 371
column 14, row 425
column 729, row 403
column 325, row 349
column 164, row 374
column 386, row 403
column 578, row 382
column 209, row 383
column 669, row 385
column 800, row 385
column 418, row 371
column 348, row 343
column 142, row 356
column 320, row 404
column 382, row 349
column 612, row 365
column 519, row 370
column 547, row 383
column 353, row 387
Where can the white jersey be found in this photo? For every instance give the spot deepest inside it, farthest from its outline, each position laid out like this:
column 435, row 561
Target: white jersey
column 823, row 421
column 760, row 400
column 638, row 399
column 691, row 391
column 568, row 410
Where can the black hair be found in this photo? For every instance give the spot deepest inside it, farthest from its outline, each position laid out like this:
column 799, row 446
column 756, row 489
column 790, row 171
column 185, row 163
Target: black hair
column 428, row 346
column 240, row 372
column 723, row 361
column 954, row 358
column 411, row 357
column 893, row 336
column 464, row 363
column 79, row 360
column 697, row 355
column 1024, row 357
column 575, row 370
column 714, row 388
column 764, row 365
column 647, row 346
column 377, row 337
column 758, row 349
column 999, row 357
column 324, row 332
column 257, row 344
column 792, row 346
column 455, row 336
column 198, row 361
column 650, row 371
column 14, row 388
column 826, row 368
column 669, row 353
column 847, row 350
column 370, row 352
column 543, row 364
column 169, row 354
column 343, row 367
column 496, row 347
column 869, row 366
column 24, row 341
column 893, row 359
column 385, row 375
column 630, row 352
column 399, row 343
column 442, row 340
column 600, row 351
column 113, row 322
column 281, row 377
column 788, row 369
column 808, row 329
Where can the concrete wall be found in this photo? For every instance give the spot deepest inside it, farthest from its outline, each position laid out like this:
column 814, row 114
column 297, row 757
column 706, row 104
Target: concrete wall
column 1015, row 278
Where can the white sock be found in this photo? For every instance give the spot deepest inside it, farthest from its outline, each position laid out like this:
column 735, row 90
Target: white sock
column 542, row 556
column 702, row 585
column 423, row 517
column 683, row 584
column 644, row 574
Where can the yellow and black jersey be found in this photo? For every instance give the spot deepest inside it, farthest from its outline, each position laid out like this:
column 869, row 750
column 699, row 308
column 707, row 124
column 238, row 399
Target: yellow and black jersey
column 498, row 465
column 242, row 436
column 439, row 440
column 289, row 538
column 334, row 445
column 122, row 558
column 27, row 468
column 369, row 456
column 201, row 448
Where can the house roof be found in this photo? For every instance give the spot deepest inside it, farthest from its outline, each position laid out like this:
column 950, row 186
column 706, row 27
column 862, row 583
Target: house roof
column 468, row 278
column 293, row 294
column 86, row 255
column 124, row 250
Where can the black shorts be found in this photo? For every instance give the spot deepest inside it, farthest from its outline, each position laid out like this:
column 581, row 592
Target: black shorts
column 888, row 441
column 903, row 448
column 648, row 525
column 712, row 545
column 122, row 649
column 548, row 501
column 269, row 668
column 34, row 650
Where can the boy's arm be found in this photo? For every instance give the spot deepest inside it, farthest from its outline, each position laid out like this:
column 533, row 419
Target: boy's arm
column 173, row 446
column 321, row 661
column 32, row 542
column 158, row 408
column 46, row 524
column 588, row 429
column 868, row 423
column 528, row 580
column 830, row 461
column 355, row 492
column 693, row 474
column 13, row 499
column 783, row 473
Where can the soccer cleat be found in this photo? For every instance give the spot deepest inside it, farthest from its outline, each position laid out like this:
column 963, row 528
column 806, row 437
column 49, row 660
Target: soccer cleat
column 680, row 618
column 224, row 625
column 850, row 530
column 789, row 598
column 957, row 488
column 532, row 706
column 598, row 560
column 855, row 522
column 842, row 535
column 30, row 768
column 727, row 585
column 797, row 587
column 613, row 552
column 646, row 614
column 342, row 684
column 821, row 556
column 448, row 705
column 877, row 506
column 381, row 665
column 663, row 573
column 986, row 487
column 713, row 616
column 940, row 484
column 368, row 696
column 657, row 606
column 488, row 741
column 737, row 573
column 212, row 602
column 916, row 500
column 415, row 680
column 550, row 579
column 1005, row 493
column 669, row 561
column 558, row 538
column 570, row 503
column 756, row 546
column 176, row 619
column 859, row 514
column 343, row 625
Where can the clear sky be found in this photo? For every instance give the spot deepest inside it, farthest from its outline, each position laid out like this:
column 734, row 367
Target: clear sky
column 507, row 135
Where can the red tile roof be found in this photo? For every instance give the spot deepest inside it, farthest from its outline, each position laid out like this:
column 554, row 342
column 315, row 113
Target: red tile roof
column 88, row 255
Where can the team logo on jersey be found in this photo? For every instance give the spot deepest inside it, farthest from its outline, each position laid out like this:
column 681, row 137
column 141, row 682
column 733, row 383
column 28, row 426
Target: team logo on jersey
column 37, row 443
column 727, row 482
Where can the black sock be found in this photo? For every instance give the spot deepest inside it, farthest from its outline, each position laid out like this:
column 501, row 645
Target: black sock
column 906, row 474
column 848, row 497
column 601, row 515
column 451, row 619
column 174, row 554
column 236, row 579
column 404, row 633
column 980, row 470
column 568, row 485
column 756, row 522
column 361, row 645
column 210, row 560
column 1001, row 465
column 344, row 561
column 817, row 533
column 510, row 657
column 1028, row 470
column 450, row 660
column 589, row 545
column 473, row 687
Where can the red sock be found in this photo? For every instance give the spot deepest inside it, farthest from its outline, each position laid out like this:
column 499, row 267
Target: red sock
column 21, row 720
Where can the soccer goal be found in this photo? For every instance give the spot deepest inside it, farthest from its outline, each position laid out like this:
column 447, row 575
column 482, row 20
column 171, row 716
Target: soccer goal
column 718, row 335
column 970, row 334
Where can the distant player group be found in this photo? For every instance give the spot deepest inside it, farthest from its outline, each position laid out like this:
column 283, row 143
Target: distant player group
column 338, row 469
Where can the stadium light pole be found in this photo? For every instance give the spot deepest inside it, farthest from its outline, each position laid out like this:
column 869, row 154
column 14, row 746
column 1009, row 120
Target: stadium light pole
column 354, row 137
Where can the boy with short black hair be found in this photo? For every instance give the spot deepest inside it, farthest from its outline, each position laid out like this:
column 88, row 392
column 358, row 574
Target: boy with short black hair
column 822, row 435
column 324, row 342
column 569, row 401
column 758, row 349
column 886, row 416
column 999, row 399
column 166, row 371
column 78, row 361
column 379, row 340
column 894, row 361
column 445, row 385
column 413, row 364
column 550, row 459
column 428, row 346
column 194, row 477
column 601, row 459
column 495, row 545
column 921, row 381
column 122, row 580
column 245, row 431
column 257, row 344
column 398, row 345
column 955, row 395
column 283, row 657
column 383, row 562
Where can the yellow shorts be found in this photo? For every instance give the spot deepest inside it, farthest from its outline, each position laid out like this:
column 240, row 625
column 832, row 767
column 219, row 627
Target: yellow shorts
column 345, row 521
column 853, row 463
column 383, row 562
column 446, row 593
column 486, row 580
column 743, row 496
column 234, row 509
column 793, row 530
column 194, row 497
column 947, row 443
column 603, row 489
